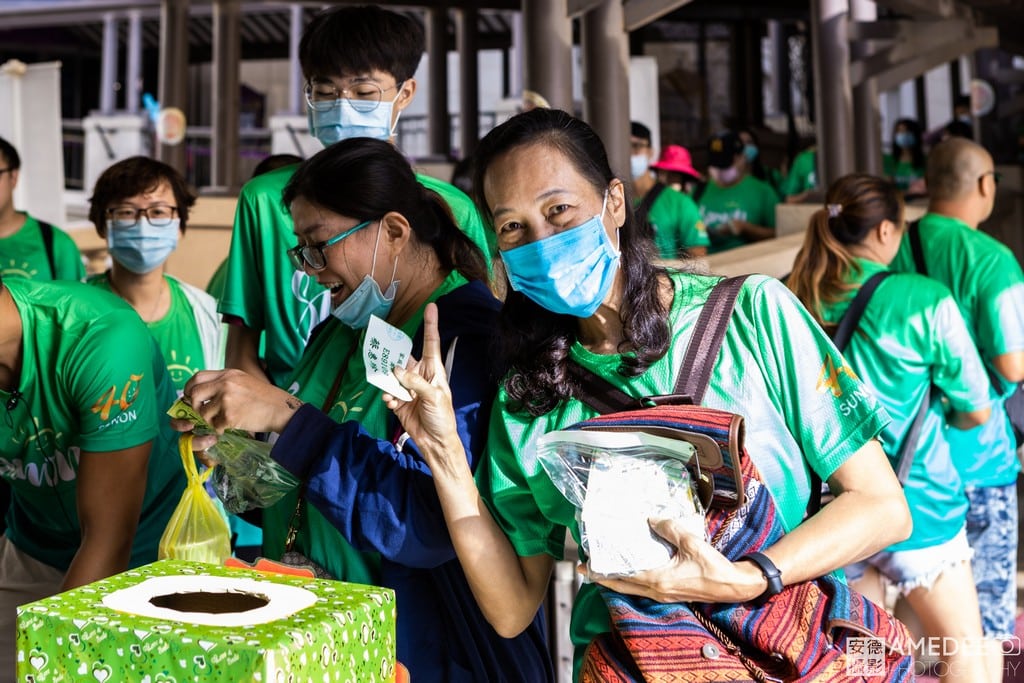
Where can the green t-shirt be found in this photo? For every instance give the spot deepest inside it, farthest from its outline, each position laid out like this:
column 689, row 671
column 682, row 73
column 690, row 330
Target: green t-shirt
column 750, row 200
column 902, row 173
column 264, row 289
column 176, row 333
column 337, row 349
column 677, row 223
column 23, row 254
column 92, row 379
column 802, row 405
column 988, row 286
column 215, row 287
column 803, row 174
column 910, row 337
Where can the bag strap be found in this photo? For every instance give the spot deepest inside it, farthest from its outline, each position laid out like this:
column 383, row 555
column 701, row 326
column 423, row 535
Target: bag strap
column 914, row 232
column 698, row 361
column 648, row 201
column 909, row 447
column 47, row 232
column 844, row 332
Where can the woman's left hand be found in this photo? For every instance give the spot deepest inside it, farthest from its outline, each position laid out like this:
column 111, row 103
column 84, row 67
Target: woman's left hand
column 232, row 399
column 697, row 572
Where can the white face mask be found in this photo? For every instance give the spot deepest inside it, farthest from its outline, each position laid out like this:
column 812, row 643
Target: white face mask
column 725, row 176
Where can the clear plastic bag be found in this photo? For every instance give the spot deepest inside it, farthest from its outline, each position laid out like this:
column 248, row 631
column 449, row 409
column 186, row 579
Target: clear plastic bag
column 617, row 481
column 196, row 531
column 245, row 476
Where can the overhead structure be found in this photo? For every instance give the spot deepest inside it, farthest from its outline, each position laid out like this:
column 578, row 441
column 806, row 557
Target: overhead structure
column 173, row 86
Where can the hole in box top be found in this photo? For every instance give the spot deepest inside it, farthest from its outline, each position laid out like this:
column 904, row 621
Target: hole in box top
column 211, row 603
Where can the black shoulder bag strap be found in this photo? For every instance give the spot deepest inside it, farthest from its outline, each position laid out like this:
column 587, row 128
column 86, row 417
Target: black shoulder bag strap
column 648, row 201
column 47, row 232
column 698, row 361
column 914, row 233
column 841, row 338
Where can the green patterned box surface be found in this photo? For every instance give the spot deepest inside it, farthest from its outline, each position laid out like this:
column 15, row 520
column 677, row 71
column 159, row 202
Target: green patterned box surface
column 347, row 634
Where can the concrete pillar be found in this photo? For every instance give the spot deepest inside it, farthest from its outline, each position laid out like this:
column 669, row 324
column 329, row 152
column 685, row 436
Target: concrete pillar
column 296, row 102
column 606, row 80
column 108, row 65
column 469, row 73
column 225, row 94
column 833, row 95
column 867, row 118
column 547, row 54
column 133, row 77
column 173, row 90
column 437, row 99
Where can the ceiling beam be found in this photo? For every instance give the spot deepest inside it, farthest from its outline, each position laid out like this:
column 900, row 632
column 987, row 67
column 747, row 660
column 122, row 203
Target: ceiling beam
column 639, row 13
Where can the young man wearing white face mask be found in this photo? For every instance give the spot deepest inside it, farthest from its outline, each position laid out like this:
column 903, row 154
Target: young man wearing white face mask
column 141, row 206
column 673, row 216
column 359, row 64
column 737, row 207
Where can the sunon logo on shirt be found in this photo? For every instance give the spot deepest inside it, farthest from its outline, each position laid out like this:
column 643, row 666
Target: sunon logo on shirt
column 123, row 398
column 828, row 378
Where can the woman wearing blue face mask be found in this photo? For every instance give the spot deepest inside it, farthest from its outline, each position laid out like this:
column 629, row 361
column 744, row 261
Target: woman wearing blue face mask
column 905, row 165
column 584, row 292
column 367, row 511
column 141, row 206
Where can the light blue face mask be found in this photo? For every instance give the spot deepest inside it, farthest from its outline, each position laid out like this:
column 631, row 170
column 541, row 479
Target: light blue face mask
column 568, row 273
column 343, row 121
column 638, row 165
column 750, row 152
column 905, row 139
column 367, row 299
column 142, row 247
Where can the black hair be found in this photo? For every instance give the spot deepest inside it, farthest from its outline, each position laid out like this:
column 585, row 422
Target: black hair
column 377, row 180
column 274, row 162
column 359, row 39
column 639, row 130
column 10, row 155
column 534, row 342
column 134, row 176
column 917, row 149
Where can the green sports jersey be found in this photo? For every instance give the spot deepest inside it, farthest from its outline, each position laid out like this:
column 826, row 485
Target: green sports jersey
column 215, row 287
column 93, row 380
column 988, row 286
column 176, row 333
column 910, row 337
column 264, row 290
column 803, row 407
column 750, row 200
column 23, row 255
column 803, row 174
column 902, row 173
column 677, row 224
column 337, row 350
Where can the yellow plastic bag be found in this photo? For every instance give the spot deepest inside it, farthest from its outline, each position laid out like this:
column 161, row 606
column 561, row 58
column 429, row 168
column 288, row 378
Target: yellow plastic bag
column 196, row 531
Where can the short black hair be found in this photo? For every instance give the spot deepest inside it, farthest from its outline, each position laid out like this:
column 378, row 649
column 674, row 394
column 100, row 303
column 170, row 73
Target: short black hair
column 274, row 162
column 10, row 155
column 639, row 130
column 359, row 39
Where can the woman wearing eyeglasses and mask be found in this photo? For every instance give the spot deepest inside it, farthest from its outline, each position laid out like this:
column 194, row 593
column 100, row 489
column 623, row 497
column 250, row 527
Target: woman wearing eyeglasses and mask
column 386, row 246
column 140, row 206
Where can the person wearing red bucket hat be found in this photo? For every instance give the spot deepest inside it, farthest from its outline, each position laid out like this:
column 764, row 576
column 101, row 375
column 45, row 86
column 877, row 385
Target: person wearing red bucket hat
column 676, row 159
column 737, row 208
column 673, row 216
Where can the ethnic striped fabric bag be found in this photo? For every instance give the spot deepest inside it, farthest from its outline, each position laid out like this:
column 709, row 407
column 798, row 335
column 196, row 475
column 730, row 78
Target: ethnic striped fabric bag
column 819, row 630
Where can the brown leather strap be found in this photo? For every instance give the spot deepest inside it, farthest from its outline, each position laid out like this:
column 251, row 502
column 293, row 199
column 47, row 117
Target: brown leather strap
column 706, row 342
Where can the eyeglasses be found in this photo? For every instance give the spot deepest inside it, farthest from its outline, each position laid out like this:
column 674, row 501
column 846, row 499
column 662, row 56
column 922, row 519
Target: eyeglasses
column 996, row 176
column 159, row 216
column 312, row 255
column 364, row 96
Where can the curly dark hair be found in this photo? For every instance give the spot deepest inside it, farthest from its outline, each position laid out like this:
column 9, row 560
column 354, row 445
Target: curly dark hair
column 378, row 179
column 533, row 342
column 134, row 176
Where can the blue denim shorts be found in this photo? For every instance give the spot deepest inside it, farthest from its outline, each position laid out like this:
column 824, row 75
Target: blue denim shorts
column 918, row 568
column 992, row 533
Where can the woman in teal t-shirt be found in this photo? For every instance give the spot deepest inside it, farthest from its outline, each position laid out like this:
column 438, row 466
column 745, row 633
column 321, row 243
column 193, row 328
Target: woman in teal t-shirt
column 910, row 339
column 905, row 165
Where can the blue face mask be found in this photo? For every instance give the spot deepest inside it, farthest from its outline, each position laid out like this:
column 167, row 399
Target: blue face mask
column 750, row 152
column 569, row 273
column 638, row 165
column 904, row 139
column 142, row 247
column 343, row 121
column 367, row 299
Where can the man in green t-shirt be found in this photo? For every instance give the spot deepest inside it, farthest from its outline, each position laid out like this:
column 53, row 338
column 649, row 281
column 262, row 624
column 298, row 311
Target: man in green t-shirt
column 84, row 443
column 30, row 248
column 359, row 64
column 802, row 177
column 988, row 286
column 674, row 217
column 737, row 207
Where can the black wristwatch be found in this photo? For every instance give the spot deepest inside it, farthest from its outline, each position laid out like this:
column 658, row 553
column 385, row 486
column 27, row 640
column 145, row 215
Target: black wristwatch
column 771, row 574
